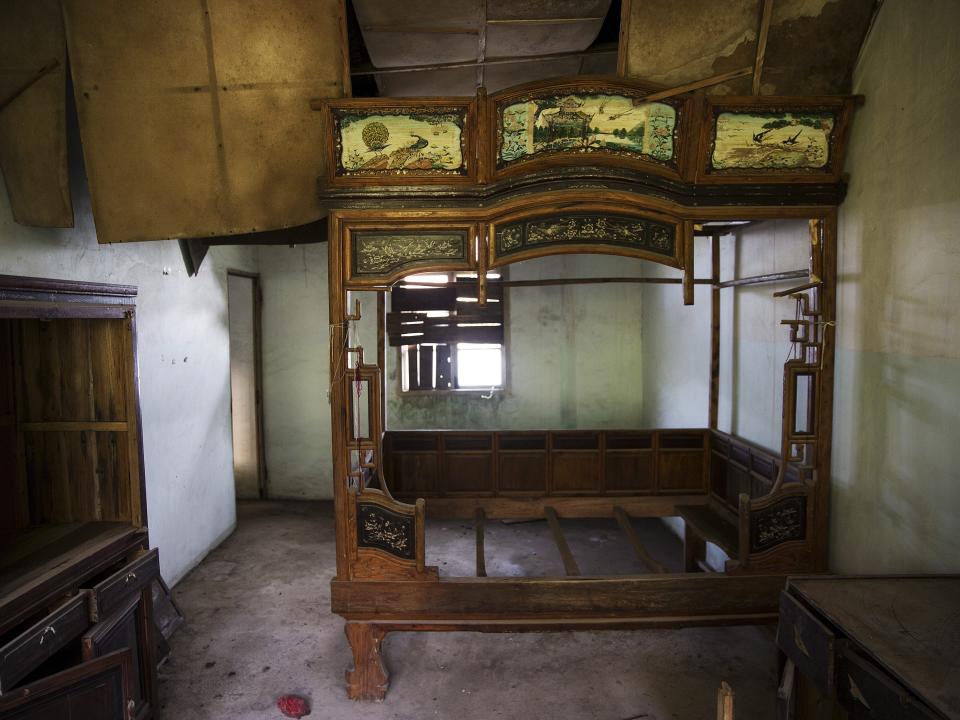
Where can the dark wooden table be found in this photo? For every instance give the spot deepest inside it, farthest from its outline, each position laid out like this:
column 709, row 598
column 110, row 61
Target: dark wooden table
column 870, row 647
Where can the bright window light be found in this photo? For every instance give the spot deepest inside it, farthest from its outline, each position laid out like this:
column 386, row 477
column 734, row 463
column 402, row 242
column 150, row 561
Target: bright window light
column 479, row 366
column 431, row 278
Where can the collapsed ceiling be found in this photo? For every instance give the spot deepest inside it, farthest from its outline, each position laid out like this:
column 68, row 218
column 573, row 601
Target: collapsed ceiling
column 195, row 120
column 423, row 47
column 810, row 46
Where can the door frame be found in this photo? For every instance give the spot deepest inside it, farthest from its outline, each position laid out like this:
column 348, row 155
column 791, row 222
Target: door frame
column 257, row 373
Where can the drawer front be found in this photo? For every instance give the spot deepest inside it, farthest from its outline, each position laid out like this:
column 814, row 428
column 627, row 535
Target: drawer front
column 31, row 648
column 111, row 594
column 122, row 630
column 865, row 690
column 808, row 642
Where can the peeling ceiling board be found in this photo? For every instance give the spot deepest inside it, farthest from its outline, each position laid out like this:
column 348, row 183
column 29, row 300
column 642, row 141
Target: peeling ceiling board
column 811, row 48
column 33, row 136
column 195, row 115
column 427, row 33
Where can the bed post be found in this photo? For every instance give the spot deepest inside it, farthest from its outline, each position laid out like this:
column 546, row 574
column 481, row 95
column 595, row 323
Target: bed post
column 827, row 303
column 338, row 405
column 368, row 679
column 714, row 331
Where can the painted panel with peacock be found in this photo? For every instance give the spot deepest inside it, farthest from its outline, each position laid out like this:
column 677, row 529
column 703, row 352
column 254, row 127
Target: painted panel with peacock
column 400, row 142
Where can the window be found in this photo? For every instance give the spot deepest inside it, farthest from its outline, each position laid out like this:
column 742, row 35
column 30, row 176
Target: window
column 447, row 340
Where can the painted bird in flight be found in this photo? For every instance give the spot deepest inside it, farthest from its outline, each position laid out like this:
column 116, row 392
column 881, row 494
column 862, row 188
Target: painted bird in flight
column 792, row 140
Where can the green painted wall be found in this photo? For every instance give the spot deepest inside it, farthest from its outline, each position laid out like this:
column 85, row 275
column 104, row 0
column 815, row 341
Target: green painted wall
column 896, row 473
column 296, row 371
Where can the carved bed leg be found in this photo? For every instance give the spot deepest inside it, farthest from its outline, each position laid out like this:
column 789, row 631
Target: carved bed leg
column 368, row 679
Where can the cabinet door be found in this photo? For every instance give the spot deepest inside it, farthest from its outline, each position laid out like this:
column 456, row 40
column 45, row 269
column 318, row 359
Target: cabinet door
column 127, row 628
column 95, row 690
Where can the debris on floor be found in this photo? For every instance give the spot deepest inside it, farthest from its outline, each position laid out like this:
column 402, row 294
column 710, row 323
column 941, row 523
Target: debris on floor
column 293, row 706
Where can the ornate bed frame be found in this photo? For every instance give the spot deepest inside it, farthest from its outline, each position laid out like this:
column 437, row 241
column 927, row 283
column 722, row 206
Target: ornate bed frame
column 528, row 173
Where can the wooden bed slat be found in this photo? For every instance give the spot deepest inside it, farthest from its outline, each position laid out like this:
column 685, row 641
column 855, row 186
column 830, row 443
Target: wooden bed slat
column 646, row 558
column 480, row 518
column 569, row 562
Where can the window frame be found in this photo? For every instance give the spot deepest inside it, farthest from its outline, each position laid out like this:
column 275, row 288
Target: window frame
column 502, row 389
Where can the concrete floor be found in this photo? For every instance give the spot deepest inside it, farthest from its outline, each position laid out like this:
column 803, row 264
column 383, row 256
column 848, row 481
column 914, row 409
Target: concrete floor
column 258, row 626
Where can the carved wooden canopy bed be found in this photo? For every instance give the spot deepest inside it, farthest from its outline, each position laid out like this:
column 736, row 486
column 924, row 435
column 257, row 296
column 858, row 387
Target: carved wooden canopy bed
column 584, row 165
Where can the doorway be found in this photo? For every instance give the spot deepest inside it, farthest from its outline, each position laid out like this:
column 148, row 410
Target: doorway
column 243, row 303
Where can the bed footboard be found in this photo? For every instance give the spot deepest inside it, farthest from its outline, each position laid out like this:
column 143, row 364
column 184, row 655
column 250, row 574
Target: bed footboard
column 386, row 538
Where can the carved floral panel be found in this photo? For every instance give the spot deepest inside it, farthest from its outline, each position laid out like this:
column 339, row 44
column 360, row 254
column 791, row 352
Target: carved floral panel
column 382, row 529
column 781, row 522
column 587, row 229
column 381, row 253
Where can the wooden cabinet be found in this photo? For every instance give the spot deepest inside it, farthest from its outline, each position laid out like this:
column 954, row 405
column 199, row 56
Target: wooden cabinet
column 882, row 648
column 75, row 568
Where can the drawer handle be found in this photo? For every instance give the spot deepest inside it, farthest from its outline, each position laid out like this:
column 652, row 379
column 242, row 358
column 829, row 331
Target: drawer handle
column 130, row 577
column 48, row 629
column 798, row 641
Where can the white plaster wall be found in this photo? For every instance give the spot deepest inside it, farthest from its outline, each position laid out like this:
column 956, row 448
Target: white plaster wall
column 676, row 348
column 751, row 378
column 896, row 458
column 296, row 375
column 183, row 354
column 574, row 356
column 753, row 344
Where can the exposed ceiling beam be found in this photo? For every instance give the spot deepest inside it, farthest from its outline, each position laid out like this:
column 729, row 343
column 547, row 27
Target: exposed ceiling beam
column 544, row 21
column 475, row 63
column 482, row 44
column 697, row 85
column 420, row 29
column 464, row 30
column 762, row 43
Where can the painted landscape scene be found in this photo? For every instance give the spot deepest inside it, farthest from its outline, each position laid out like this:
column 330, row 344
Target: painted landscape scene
column 586, row 123
column 415, row 143
column 772, row 141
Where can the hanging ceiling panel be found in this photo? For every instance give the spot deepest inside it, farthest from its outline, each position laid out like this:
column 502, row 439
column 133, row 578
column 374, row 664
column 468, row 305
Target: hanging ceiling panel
column 195, row 116
column 33, row 138
column 811, row 48
column 426, row 33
